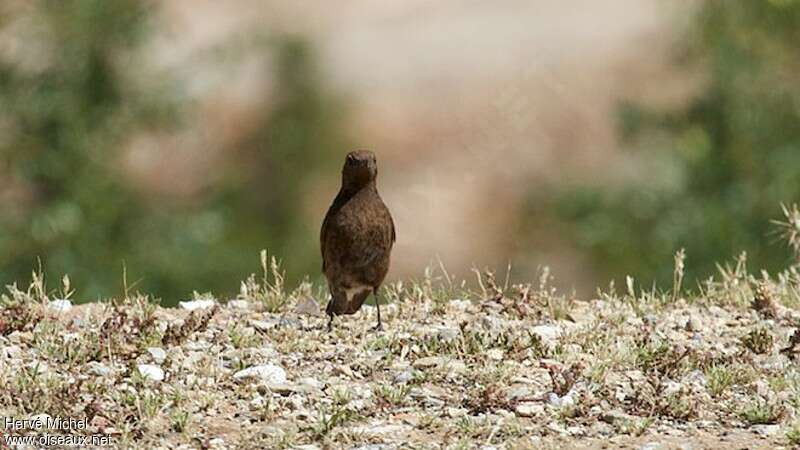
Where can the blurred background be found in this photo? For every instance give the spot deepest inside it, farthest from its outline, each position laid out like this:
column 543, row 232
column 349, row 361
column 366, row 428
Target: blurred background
column 179, row 138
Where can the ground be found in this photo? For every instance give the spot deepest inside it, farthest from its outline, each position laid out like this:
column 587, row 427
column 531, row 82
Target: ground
column 518, row 366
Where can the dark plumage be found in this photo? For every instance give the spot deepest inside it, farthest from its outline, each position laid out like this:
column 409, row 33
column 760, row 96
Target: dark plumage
column 356, row 238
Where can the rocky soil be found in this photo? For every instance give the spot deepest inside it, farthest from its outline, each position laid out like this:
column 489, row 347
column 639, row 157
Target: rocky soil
column 517, row 367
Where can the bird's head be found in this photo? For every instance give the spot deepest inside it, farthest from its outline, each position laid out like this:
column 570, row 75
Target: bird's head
column 360, row 169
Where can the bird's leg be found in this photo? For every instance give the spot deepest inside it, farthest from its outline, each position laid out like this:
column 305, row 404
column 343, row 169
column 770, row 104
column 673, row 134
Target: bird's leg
column 330, row 323
column 379, row 326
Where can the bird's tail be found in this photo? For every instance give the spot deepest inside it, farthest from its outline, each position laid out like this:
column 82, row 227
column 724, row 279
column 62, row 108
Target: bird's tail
column 341, row 303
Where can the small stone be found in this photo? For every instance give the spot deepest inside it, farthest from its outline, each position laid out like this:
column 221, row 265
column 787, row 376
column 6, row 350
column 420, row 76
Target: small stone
column 455, row 367
column 308, row 307
column 193, row 305
column 762, row 388
column 248, row 331
column 11, row 351
column 404, row 376
column 671, row 387
column 312, row 383
column 98, row 369
column 456, row 412
column 268, row 373
column 528, row 409
column 557, row 428
column 262, row 325
column 696, row 378
column 518, row 392
column 59, row 305
column 575, row 431
column 296, row 402
column 345, row 370
column 151, row 372
column 495, row 354
column 281, row 388
column 41, row 419
column 158, row 354
column 491, row 324
column 568, row 400
column 20, row 337
column 767, row 430
column 651, row 446
column 239, row 304
column 448, row 334
column 616, row 417
column 381, row 429
column 694, row 324
column 428, row 362
column 99, row 422
column 258, row 403
column 548, row 333
column 39, row 367
column 460, row 305
column 287, row 389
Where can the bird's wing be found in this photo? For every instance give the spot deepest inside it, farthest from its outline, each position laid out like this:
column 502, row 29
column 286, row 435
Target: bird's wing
column 394, row 235
column 378, row 245
column 322, row 234
column 325, row 232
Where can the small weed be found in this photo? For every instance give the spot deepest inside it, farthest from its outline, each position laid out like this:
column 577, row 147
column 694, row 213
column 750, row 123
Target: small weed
column 179, row 420
column 634, row 426
column 719, row 379
column 341, row 397
column 392, row 396
column 758, row 341
column 328, row 421
column 240, row 338
column 789, row 229
column 658, row 356
column 762, row 413
column 487, row 399
column 793, row 435
column 197, row 321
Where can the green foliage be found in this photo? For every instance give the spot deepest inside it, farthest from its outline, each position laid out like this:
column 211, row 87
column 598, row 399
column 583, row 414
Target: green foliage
column 71, row 97
column 63, row 115
column 712, row 172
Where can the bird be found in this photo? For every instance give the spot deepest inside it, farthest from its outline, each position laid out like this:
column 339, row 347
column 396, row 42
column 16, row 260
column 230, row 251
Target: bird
column 356, row 239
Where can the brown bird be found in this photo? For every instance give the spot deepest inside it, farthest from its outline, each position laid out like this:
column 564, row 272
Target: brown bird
column 356, row 238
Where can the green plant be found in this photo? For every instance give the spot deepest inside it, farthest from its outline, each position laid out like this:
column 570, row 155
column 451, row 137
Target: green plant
column 758, row 341
column 708, row 172
column 762, row 413
column 79, row 98
column 331, row 419
column 793, row 435
column 720, row 378
column 179, row 420
column 393, row 396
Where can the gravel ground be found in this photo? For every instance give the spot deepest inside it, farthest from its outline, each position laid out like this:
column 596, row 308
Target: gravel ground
column 522, row 367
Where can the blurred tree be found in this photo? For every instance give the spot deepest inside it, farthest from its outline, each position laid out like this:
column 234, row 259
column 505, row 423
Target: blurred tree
column 712, row 174
column 278, row 164
column 65, row 106
column 68, row 103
